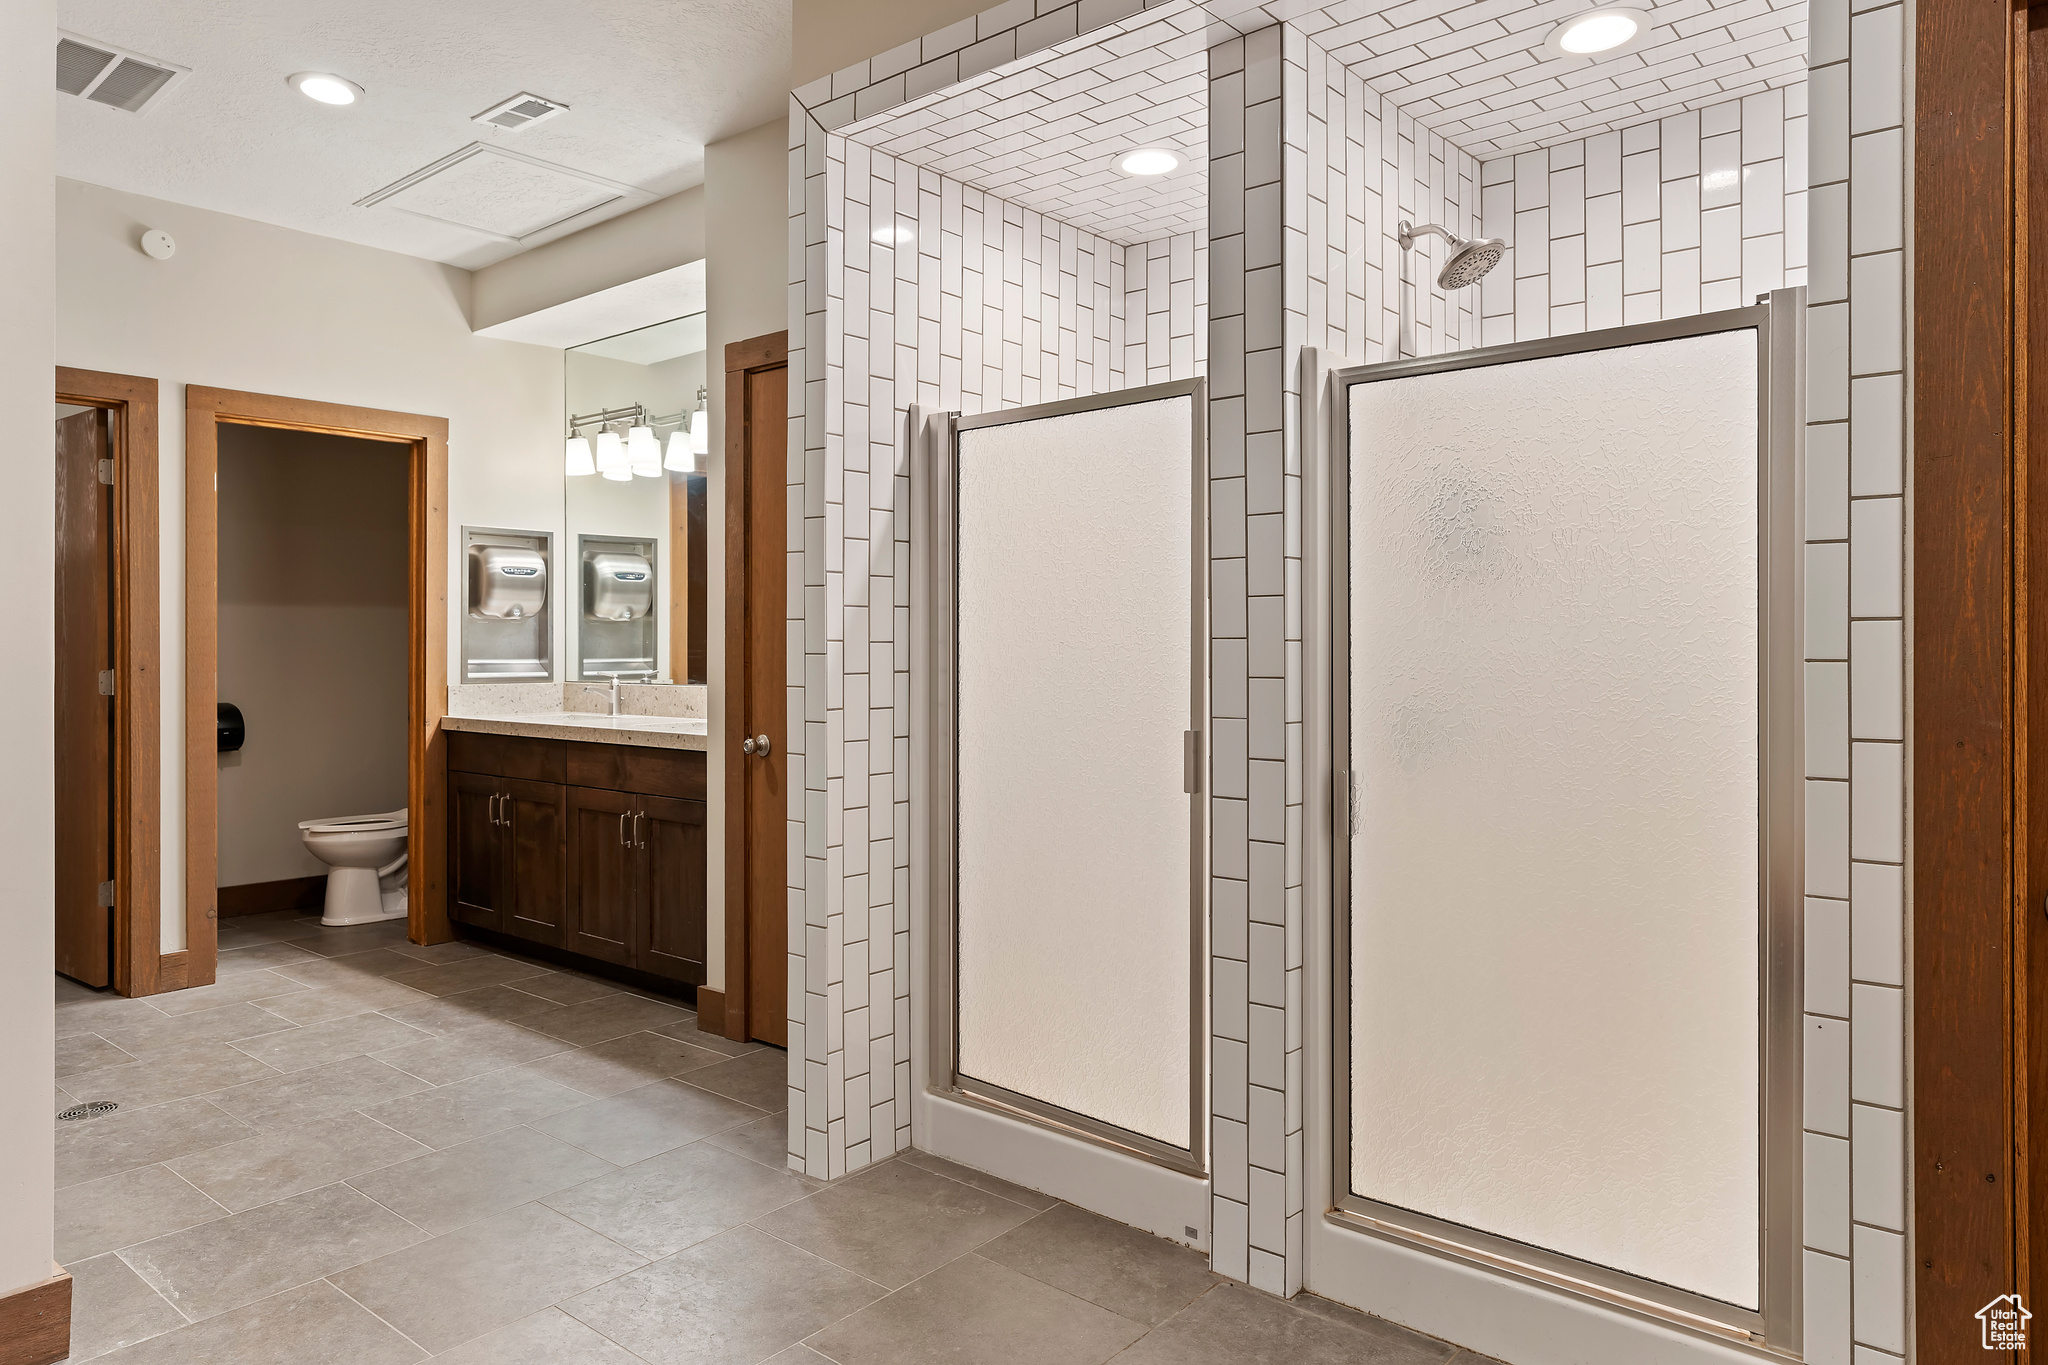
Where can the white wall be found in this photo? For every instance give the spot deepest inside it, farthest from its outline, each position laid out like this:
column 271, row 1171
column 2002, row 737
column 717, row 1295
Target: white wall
column 660, row 236
column 27, row 559
column 746, row 244
column 314, row 639
column 244, row 305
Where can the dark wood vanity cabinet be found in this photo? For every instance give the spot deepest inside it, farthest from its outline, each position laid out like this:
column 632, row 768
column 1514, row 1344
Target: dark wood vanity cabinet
column 507, row 860
column 592, row 849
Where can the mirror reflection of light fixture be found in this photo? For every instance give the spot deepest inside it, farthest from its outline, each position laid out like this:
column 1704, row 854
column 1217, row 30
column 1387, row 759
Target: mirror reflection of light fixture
column 579, row 459
column 643, row 452
column 700, row 425
column 682, row 455
column 612, row 461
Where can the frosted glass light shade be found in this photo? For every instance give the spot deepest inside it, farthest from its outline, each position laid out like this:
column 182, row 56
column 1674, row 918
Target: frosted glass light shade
column 1074, row 913
column 1555, row 909
column 643, row 452
column 611, row 454
column 700, row 431
column 680, row 455
column 578, row 458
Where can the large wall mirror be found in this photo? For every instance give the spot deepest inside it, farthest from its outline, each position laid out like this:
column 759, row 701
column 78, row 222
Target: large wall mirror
column 633, row 564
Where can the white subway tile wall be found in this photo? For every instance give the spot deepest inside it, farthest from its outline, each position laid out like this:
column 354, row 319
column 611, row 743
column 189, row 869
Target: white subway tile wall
column 931, row 292
column 1694, row 211
column 1855, row 446
column 1690, row 214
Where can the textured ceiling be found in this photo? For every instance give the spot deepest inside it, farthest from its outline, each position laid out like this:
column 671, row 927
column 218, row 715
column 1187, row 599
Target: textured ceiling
column 647, row 86
column 1044, row 132
column 1474, row 71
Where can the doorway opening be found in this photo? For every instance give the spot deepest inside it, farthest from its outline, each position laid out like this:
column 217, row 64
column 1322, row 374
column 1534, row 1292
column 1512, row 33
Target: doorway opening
column 108, row 793
column 756, row 1001
column 279, row 445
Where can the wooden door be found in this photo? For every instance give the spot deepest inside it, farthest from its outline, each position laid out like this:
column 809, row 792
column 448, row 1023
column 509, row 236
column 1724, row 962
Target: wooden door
column 669, row 837
column 757, row 812
column 534, row 829
column 476, row 854
column 85, row 713
column 603, row 875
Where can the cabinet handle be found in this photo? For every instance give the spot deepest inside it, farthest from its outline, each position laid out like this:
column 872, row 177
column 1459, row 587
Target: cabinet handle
column 494, row 808
column 638, row 842
column 623, row 841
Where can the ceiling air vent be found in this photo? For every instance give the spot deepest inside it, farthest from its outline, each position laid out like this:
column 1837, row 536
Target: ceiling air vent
column 110, row 75
column 519, row 111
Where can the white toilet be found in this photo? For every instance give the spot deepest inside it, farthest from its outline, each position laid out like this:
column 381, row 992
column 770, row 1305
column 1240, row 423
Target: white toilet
column 366, row 865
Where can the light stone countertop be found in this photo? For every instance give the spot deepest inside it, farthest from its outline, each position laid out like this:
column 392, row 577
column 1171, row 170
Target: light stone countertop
column 653, row 732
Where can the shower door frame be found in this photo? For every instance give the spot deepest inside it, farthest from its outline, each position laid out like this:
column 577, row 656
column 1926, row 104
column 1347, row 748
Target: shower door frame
column 1779, row 322
column 942, row 634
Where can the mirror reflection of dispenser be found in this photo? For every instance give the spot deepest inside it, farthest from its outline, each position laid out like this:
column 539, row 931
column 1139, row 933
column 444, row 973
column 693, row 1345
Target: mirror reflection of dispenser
column 505, row 631
column 617, row 635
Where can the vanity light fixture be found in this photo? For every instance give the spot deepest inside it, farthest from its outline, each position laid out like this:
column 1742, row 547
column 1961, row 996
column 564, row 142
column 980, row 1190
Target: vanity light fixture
column 643, row 452
column 325, row 87
column 580, row 460
column 889, row 234
column 1145, row 163
column 612, row 461
column 682, row 457
column 1606, row 32
column 700, row 424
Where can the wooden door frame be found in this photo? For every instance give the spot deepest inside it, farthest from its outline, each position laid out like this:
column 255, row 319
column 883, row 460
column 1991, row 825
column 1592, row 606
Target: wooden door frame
column 139, row 966
column 1978, row 670
column 206, row 409
column 741, row 359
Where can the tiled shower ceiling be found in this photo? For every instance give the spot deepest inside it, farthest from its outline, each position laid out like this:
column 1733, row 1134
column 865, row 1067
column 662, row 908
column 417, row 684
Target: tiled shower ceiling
column 1474, row 71
column 1044, row 132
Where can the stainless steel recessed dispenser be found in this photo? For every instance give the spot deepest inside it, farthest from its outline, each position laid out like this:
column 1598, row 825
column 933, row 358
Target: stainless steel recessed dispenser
column 618, row 633
column 506, row 633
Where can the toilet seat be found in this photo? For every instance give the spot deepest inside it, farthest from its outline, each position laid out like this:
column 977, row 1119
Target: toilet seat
column 358, row 824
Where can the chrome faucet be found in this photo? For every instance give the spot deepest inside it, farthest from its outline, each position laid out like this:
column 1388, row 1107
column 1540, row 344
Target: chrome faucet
column 615, row 696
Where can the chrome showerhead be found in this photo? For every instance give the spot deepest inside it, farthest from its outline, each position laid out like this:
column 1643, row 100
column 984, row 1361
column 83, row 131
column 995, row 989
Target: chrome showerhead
column 1469, row 260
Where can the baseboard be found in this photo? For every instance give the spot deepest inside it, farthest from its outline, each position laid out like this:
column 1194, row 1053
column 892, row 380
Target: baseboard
column 710, row 1011
column 35, row 1322
column 171, row 971
column 260, row 898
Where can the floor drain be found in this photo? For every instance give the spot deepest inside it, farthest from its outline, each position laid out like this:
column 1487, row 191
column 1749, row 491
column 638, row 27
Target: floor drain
column 87, row 1111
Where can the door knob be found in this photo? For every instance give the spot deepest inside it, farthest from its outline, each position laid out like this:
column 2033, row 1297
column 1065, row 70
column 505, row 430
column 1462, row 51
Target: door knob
column 757, row 745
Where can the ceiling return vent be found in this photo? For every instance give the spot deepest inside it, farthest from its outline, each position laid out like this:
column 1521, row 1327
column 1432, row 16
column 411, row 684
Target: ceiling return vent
column 106, row 74
column 520, row 111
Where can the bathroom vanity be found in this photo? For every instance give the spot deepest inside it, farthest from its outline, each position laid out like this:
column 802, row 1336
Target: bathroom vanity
column 592, row 847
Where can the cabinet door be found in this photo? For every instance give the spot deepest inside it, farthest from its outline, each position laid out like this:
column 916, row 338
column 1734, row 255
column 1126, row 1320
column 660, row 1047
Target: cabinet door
column 535, row 832
column 475, row 853
column 670, row 836
column 603, row 881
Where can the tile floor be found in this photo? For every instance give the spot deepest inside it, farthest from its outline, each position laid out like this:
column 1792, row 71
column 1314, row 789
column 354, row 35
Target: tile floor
column 353, row 1149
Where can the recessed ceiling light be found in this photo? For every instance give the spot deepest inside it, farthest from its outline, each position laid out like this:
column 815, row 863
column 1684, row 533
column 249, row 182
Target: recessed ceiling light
column 1605, row 32
column 1148, row 161
column 326, row 88
column 892, row 236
